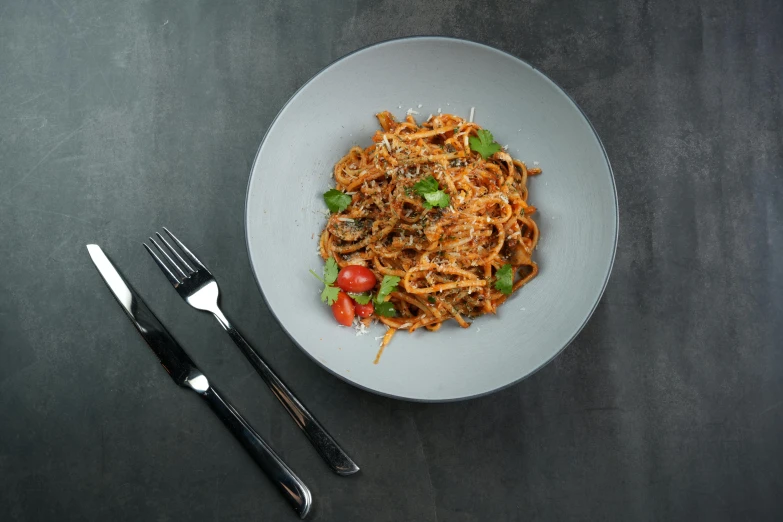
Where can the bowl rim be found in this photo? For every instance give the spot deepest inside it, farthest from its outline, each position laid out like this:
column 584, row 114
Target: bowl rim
column 521, row 61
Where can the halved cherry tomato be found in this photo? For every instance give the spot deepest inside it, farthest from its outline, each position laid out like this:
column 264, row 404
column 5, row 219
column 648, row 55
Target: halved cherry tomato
column 364, row 310
column 343, row 309
column 356, row 279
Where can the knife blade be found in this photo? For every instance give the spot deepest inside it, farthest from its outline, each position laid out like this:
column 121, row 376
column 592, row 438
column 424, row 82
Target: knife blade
column 185, row 373
column 169, row 352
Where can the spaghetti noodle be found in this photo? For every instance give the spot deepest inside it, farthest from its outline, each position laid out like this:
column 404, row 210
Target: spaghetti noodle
column 448, row 258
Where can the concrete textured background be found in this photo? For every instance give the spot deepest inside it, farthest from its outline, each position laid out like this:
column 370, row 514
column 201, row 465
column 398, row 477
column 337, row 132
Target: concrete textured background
column 117, row 117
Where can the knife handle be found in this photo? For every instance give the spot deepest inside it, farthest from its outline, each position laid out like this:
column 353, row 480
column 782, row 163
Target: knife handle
column 292, row 488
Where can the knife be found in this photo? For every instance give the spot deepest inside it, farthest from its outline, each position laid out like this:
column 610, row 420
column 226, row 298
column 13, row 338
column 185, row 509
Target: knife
column 183, row 370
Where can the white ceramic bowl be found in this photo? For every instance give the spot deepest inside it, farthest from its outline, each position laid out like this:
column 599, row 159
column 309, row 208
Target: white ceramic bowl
column 575, row 195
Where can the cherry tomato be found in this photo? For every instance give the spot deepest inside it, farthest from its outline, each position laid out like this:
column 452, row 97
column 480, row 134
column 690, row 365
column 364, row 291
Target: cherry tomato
column 356, row 279
column 343, row 309
column 364, row 310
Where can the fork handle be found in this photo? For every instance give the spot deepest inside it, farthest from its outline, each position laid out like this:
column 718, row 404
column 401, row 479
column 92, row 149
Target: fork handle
column 326, row 446
column 291, row 486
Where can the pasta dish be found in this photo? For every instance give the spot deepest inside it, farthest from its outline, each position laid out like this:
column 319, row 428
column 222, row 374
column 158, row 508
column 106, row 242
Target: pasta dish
column 441, row 210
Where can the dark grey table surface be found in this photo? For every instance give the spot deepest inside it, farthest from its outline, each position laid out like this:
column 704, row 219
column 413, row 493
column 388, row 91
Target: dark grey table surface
column 119, row 117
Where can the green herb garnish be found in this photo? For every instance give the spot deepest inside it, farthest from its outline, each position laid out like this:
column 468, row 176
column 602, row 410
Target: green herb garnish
column 436, row 199
column 329, row 293
column 428, row 184
column 385, row 309
column 484, row 144
column 362, row 299
column 428, row 189
column 330, row 271
column 336, row 201
column 504, row 279
column 388, row 285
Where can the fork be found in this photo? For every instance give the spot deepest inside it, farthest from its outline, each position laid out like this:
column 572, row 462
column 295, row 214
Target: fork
column 197, row 286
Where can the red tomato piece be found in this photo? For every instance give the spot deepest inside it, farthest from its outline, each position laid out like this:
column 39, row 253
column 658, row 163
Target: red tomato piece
column 356, row 279
column 365, row 310
column 343, row 309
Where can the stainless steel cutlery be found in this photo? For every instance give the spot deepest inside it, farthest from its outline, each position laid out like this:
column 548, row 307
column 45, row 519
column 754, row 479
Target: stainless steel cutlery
column 185, row 373
column 197, row 286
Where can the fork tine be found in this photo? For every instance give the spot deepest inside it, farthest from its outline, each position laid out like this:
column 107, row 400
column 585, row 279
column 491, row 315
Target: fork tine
column 175, row 265
column 187, row 252
column 169, row 275
column 174, row 251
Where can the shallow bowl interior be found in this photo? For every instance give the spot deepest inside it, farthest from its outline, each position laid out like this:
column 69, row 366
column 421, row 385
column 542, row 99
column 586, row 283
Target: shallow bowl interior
column 525, row 110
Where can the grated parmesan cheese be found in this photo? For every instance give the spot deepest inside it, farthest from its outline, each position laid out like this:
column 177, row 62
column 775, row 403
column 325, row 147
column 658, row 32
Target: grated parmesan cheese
column 419, row 106
column 411, row 111
column 359, row 327
column 386, row 142
column 472, row 110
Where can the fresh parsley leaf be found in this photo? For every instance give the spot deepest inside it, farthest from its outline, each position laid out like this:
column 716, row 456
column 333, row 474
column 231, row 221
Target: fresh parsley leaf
column 385, row 309
column 382, row 307
column 504, row 279
column 362, row 299
column 428, row 189
column 336, row 201
column 388, row 285
column 431, row 299
column 329, row 294
column 330, row 271
column 484, row 144
column 428, row 184
column 436, row 199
